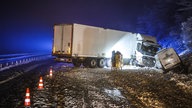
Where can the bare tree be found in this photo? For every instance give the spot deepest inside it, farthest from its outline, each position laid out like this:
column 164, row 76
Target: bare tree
column 187, row 33
column 187, row 5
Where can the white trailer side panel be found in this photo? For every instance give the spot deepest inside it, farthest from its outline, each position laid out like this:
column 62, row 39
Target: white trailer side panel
column 92, row 41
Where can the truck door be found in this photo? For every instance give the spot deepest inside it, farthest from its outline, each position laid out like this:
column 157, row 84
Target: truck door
column 57, row 40
column 66, row 39
column 62, row 39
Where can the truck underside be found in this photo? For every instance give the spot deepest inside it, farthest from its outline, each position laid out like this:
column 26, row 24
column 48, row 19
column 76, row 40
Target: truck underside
column 93, row 62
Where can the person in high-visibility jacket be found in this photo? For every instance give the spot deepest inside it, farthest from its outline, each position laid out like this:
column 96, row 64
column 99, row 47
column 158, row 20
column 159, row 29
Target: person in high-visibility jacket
column 118, row 60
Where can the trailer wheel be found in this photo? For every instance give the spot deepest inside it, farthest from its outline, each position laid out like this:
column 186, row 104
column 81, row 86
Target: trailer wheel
column 86, row 63
column 77, row 64
column 101, row 63
column 92, row 63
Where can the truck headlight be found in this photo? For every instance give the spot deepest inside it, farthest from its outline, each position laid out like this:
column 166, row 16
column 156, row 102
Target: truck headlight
column 169, row 60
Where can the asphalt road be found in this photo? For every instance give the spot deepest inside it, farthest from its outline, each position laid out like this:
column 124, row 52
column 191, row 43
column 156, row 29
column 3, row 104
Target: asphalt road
column 12, row 92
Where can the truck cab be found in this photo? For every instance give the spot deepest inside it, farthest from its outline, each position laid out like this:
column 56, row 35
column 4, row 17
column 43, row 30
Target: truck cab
column 146, row 50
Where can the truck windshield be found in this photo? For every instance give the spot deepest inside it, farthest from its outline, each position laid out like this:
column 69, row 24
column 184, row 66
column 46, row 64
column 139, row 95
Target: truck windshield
column 149, row 49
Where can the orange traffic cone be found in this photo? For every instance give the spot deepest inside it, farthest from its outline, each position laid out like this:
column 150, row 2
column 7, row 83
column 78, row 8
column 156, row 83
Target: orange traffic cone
column 51, row 72
column 40, row 86
column 27, row 98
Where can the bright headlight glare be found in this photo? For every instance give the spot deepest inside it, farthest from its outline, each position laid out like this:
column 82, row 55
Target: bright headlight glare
column 139, row 56
column 170, row 61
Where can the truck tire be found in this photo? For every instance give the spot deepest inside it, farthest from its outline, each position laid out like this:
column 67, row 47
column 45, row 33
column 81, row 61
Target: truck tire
column 108, row 63
column 86, row 63
column 133, row 62
column 76, row 63
column 101, row 63
column 92, row 63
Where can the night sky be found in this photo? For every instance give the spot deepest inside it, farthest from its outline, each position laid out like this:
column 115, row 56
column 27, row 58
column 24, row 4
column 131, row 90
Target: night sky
column 27, row 25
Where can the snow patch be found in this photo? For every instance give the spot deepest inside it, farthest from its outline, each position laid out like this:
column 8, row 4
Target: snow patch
column 114, row 93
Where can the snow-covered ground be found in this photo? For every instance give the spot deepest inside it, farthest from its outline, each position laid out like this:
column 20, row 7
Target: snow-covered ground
column 79, row 88
column 100, row 88
column 105, row 88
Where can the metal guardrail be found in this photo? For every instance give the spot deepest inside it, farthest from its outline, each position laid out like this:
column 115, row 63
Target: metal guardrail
column 8, row 63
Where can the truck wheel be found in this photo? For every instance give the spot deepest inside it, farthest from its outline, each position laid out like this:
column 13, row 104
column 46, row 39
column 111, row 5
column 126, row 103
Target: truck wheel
column 86, row 63
column 77, row 64
column 92, row 63
column 108, row 63
column 101, row 63
column 133, row 62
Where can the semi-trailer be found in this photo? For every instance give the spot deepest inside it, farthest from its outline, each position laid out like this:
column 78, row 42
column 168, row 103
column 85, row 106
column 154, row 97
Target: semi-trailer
column 92, row 46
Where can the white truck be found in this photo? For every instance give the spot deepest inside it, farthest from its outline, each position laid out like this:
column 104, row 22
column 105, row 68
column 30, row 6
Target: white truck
column 92, row 46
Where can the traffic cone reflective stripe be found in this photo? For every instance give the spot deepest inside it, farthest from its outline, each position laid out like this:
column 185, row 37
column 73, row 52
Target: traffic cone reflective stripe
column 40, row 80
column 27, row 102
column 27, row 94
column 27, row 98
column 40, row 86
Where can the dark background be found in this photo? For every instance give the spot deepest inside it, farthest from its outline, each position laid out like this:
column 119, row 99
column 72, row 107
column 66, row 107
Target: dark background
column 27, row 25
